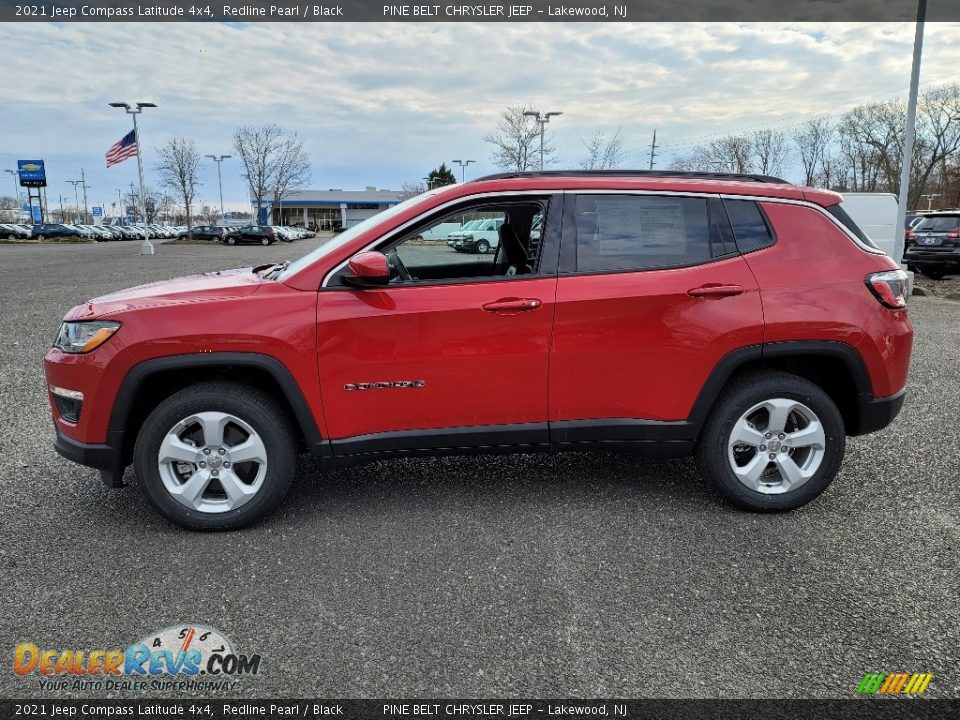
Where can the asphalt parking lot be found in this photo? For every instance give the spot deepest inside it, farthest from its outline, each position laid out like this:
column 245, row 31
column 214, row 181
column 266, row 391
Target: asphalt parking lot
column 554, row 576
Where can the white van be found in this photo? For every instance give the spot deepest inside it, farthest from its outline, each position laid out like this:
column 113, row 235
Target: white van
column 876, row 215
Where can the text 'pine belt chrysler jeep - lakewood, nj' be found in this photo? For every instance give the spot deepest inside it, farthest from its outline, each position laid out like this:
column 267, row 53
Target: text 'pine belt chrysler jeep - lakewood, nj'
column 737, row 317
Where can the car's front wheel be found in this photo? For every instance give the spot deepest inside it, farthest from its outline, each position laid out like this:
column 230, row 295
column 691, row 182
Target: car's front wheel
column 216, row 456
column 773, row 442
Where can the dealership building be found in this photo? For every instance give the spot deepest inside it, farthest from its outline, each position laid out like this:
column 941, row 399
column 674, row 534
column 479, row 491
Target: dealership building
column 329, row 209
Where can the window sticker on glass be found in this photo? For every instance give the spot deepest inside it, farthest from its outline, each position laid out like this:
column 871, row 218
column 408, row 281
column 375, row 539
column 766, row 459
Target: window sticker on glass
column 654, row 228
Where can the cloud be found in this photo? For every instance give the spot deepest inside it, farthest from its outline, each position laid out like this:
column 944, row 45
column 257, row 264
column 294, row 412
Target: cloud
column 383, row 103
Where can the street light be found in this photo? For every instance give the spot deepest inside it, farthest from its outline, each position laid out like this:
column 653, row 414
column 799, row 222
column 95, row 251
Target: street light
column 219, row 159
column 463, row 167
column 542, row 121
column 76, row 198
column 147, row 247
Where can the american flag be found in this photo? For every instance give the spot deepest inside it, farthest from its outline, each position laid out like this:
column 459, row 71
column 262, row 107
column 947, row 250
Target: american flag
column 124, row 148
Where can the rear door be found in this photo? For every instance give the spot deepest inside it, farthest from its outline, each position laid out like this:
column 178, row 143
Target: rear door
column 651, row 295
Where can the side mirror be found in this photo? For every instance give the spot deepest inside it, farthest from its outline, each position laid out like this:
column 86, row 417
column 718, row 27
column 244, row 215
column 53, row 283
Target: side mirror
column 368, row 269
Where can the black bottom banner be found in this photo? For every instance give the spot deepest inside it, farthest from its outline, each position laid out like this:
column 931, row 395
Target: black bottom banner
column 195, row 709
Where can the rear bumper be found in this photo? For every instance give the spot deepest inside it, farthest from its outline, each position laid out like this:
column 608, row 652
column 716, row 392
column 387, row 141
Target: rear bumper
column 106, row 457
column 877, row 413
column 924, row 256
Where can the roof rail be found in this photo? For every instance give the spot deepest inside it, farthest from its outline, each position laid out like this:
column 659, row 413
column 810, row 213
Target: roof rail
column 748, row 177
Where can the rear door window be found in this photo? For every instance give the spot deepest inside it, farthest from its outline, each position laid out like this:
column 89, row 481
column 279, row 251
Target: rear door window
column 640, row 232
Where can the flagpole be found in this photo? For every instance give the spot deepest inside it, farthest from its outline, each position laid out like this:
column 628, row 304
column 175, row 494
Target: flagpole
column 147, row 247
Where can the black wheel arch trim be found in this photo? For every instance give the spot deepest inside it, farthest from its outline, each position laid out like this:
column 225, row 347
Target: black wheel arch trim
column 137, row 375
column 736, row 359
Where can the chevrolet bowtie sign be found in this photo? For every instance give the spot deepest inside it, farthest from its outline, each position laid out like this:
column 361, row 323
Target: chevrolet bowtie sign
column 31, row 173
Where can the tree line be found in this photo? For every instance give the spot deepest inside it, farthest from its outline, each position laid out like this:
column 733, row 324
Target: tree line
column 859, row 151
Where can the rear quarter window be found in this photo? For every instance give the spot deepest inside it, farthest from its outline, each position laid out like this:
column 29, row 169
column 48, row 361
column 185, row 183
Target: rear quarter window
column 840, row 214
column 750, row 227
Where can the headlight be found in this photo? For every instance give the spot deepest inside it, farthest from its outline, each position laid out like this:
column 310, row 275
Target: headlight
column 82, row 337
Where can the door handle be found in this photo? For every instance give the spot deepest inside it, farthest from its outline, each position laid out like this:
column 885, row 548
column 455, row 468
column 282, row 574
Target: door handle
column 512, row 306
column 715, row 290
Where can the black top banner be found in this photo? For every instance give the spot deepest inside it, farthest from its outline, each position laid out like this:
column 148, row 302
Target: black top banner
column 522, row 11
column 446, row 709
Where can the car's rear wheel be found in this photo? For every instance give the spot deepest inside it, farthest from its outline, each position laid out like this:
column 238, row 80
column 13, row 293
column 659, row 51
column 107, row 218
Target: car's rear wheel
column 483, row 247
column 773, row 442
column 934, row 272
column 265, row 241
column 216, row 456
column 231, row 241
column 11, row 237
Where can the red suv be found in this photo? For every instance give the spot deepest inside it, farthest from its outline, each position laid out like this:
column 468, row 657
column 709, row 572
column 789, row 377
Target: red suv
column 740, row 318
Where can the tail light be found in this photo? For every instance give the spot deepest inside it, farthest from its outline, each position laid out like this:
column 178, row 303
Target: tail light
column 908, row 236
column 889, row 287
column 954, row 234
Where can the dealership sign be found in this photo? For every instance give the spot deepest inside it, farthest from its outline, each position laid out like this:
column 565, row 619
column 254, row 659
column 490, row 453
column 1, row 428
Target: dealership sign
column 31, row 173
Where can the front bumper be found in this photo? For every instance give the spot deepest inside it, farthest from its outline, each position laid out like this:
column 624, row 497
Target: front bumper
column 106, row 457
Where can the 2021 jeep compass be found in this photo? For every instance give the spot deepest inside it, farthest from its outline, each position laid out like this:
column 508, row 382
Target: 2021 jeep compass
column 740, row 318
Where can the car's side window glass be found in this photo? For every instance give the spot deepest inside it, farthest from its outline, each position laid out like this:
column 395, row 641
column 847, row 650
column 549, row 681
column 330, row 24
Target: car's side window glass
column 640, row 232
column 478, row 241
column 749, row 226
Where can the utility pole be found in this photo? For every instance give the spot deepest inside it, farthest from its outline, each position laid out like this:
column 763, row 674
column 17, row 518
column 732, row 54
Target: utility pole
column 463, row 167
column 120, row 207
column 147, row 247
column 653, row 147
column 61, row 208
column 542, row 120
column 906, row 164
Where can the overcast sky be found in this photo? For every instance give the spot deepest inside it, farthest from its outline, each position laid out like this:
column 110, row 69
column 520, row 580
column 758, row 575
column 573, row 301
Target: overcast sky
column 382, row 104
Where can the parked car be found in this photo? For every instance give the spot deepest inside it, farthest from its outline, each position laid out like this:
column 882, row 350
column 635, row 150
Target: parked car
column 262, row 234
column 47, row 230
column 205, row 232
column 739, row 318
column 15, row 231
column 933, row 244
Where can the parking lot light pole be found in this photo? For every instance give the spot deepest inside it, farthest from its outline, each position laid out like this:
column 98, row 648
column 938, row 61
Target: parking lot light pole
column 147, row 247
column 76, row 197
column 463, row 167
column 15, row 174
column 219, row 159
column 542, row 120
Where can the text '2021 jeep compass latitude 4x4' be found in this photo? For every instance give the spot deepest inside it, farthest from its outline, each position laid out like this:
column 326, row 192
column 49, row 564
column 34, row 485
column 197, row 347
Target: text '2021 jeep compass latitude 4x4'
column 740, row 318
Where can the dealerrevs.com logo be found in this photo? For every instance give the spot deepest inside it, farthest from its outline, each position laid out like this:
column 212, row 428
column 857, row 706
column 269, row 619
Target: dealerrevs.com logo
column 187, row 657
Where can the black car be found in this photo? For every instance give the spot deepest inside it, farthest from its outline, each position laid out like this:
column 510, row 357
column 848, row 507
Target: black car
column 933, row 244
column 205, row 232
column 262, row 234
column 47, row 230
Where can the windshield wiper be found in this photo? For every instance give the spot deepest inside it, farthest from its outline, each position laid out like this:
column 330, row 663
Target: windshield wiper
column 271, row 271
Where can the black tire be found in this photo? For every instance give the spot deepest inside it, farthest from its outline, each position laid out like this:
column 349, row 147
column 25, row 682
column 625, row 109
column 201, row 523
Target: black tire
column 265, row 241
column 934, row 272
column 483, row 247
column 252, row 406
column 736, row 399
column 231, row 241
column 40, row 238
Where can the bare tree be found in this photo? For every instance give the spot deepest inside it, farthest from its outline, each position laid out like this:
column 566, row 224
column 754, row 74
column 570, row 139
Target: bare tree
column 516, row 142
column 409, row 190
column 812, row 140
column 603, row 153
column 178, row 171
column 768, row 150
column 10, row 206
column 730, row 154
column 291, row 167
column 257, row 147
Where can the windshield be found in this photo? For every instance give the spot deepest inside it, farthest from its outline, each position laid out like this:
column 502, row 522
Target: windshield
column 943, row 223
column 350, row 233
